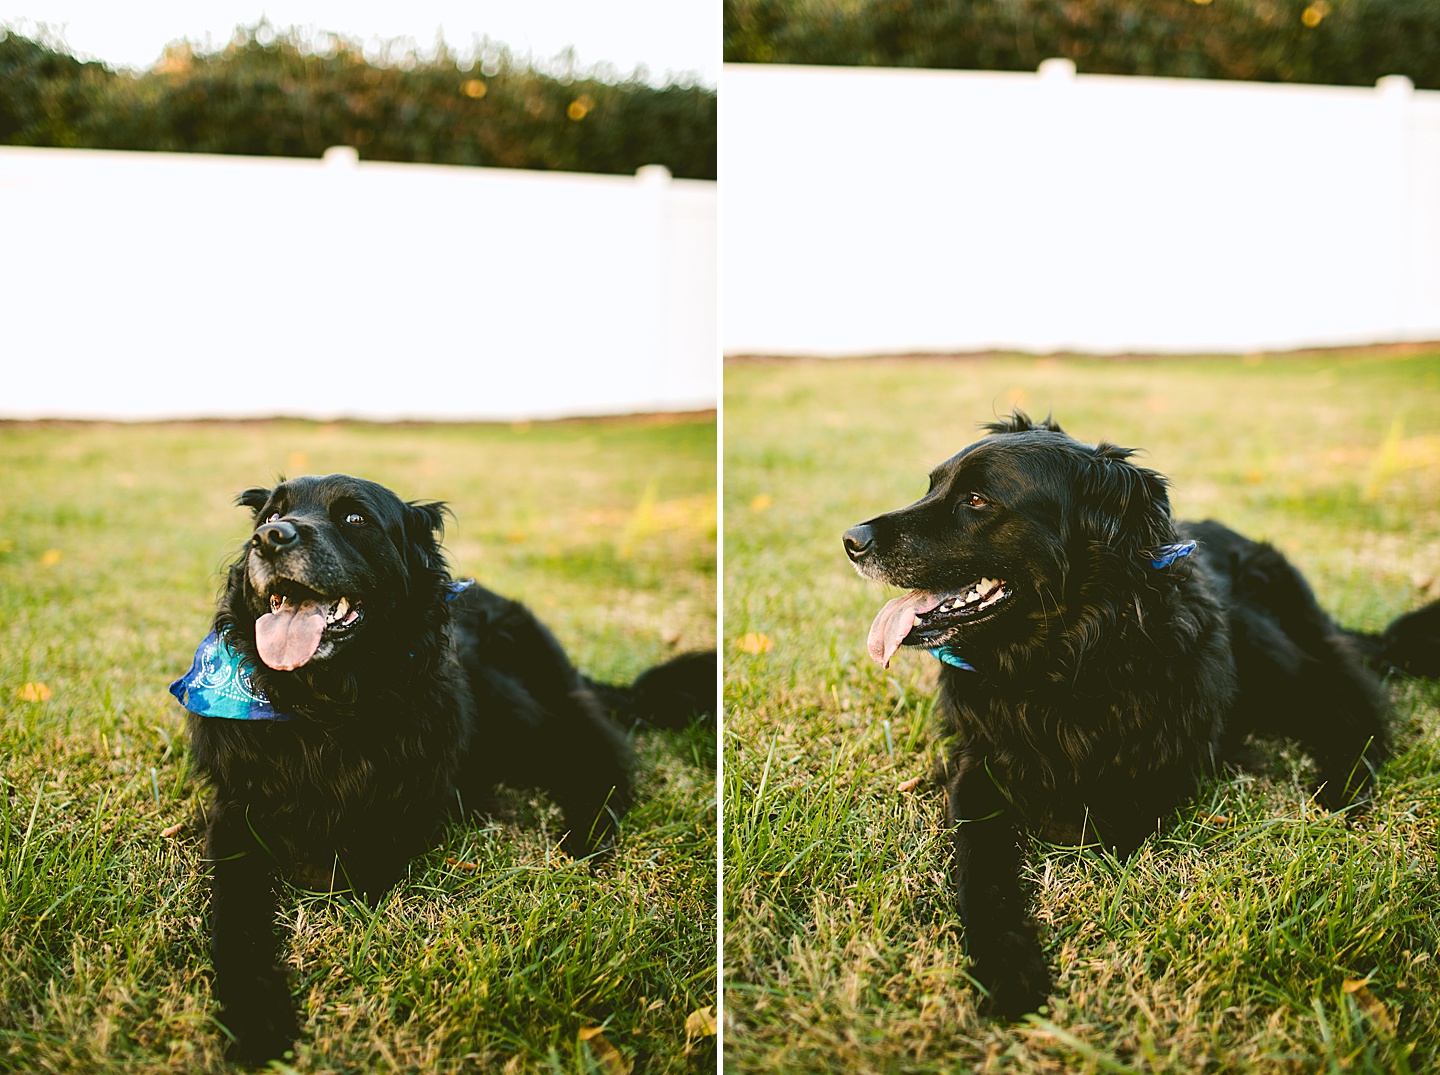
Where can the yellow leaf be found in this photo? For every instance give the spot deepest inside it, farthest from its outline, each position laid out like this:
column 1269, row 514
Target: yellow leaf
column 172, row 831
column 909, row 785
column 34, row 692
column 1352, row 985
column 700, row 1023
column 51, row 557
column 754, row 643
column 610, row 1059
column 761, row 502
column 1372, row 1007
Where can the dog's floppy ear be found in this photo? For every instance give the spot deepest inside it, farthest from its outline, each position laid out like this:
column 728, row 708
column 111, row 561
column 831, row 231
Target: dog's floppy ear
column 1125, row 507
column 254, row 499
column 1020, row 422
column 424, row 526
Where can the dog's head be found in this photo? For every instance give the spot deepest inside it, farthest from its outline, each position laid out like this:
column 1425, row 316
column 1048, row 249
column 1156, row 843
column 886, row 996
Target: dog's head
column 1010, row 535
column 332, row 560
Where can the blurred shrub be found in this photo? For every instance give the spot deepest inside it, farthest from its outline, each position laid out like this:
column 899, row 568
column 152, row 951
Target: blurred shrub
column 1339, row 42
column 279, row 94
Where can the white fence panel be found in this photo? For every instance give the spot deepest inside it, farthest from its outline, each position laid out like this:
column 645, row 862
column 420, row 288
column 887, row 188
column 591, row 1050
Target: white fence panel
column 872, row 211
column 155, row 285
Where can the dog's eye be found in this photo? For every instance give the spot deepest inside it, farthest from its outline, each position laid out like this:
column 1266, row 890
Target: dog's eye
column 355, row 519
column 975, row 500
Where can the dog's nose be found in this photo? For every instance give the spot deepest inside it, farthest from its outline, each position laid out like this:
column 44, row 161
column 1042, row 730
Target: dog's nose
column 275, row 536
column 859, row 540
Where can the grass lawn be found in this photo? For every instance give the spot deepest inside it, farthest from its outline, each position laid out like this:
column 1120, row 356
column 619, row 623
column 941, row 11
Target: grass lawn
column 496, row 953
column 1257, row 933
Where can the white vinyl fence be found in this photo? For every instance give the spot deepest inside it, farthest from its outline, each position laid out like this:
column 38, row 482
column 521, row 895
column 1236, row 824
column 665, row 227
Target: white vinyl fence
column 874, row 211
column 157, row 285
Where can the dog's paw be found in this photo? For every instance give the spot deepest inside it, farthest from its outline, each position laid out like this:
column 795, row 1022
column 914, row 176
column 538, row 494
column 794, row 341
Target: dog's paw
column 1011, row 968
column 261, row 1029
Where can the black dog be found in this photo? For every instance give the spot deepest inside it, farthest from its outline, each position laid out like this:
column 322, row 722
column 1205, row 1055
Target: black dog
column 1098, row 661
column 369, row 699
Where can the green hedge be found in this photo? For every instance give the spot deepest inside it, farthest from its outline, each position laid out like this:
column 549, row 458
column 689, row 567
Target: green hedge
column 1339, row 42
column 281, row 95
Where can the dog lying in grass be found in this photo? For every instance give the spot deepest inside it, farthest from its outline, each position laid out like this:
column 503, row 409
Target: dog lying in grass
column 352, row 697
column 1099, row 660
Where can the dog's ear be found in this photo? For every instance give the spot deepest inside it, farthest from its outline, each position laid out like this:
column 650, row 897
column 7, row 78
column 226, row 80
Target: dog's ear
column 1124, row 507
column 254, row 499
column 1020, row 422
column 424, row 527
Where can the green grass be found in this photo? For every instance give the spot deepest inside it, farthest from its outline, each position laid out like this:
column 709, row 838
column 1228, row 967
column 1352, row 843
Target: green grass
column 496, row 951
column 1225, row 944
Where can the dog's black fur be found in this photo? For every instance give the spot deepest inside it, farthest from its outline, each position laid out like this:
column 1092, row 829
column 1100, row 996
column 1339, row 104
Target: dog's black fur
column 1104, row 688
column 401, row 719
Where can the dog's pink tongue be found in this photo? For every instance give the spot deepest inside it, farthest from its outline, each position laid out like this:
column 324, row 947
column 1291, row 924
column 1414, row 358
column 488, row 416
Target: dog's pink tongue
column 895, row 621
column 288, row 637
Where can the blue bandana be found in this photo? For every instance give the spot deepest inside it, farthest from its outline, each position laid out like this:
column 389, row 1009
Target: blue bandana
column 947, row 655
column 1168, row 554
column 1165, row 556
column 219, row 684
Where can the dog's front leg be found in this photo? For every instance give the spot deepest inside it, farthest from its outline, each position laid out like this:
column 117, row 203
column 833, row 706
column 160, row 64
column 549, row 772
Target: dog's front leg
column 999, row 935
column 250, row 984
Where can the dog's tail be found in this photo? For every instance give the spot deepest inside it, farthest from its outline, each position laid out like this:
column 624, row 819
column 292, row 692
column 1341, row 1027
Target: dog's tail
column 675, row 694
column 1411, row 644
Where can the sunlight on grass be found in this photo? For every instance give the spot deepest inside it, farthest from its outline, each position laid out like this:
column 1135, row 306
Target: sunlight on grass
column 112, row 539
column 1224, row 945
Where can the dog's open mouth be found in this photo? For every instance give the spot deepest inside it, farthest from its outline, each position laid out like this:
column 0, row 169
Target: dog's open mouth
column 299, row 621
column 920, row 618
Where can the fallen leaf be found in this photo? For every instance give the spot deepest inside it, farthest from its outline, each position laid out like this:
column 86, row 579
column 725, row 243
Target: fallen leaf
column 761, row 502
column 463, row 866
column 1374, row 1010
column 609, row 1058
column 171, row 831
column 909, row 785
column 34, row 692
column 1218, row 820
column 754, row 643
column 699, row 1024
column 51, row 557
column 1352, row 985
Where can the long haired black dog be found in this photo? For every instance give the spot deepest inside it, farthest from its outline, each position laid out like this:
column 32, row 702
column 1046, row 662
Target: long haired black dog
column 1098, row 661
column 352, row 697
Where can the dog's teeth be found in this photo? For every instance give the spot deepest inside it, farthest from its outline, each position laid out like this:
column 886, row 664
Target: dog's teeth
column 342, row 606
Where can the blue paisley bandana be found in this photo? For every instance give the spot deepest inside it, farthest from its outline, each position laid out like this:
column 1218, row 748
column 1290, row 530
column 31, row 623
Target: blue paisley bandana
column 219, row 685
column 1165, row 555
column 1168, row 554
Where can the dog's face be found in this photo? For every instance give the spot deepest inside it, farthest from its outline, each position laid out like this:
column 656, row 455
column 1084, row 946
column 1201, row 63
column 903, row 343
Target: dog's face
column 329, row 556
column 994, row 552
